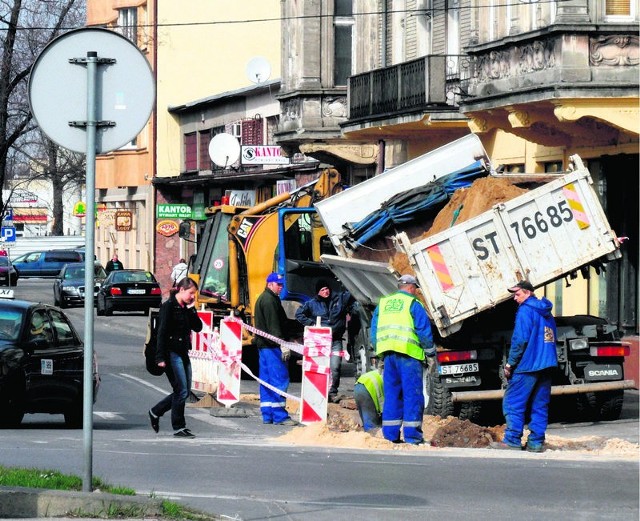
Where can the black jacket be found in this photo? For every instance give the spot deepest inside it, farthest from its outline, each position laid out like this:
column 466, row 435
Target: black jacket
column 175, row 324
column 270, row 317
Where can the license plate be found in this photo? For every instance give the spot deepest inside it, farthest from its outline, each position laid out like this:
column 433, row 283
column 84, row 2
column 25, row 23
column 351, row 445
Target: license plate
column 136, row 291
column 459, row 368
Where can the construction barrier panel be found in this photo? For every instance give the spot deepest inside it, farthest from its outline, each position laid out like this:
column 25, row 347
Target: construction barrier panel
column 316, row 374
column 230, row 360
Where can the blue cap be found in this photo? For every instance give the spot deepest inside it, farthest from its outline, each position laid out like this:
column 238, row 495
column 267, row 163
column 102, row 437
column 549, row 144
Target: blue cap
column 275, row 277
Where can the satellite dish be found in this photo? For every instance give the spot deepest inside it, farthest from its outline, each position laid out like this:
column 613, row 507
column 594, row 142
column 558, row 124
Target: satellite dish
column 224, row 150
column 258, row 69
column 58, row 89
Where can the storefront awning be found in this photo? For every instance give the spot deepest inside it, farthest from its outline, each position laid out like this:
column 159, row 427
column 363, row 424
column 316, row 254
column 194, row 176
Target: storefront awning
column 30, row 215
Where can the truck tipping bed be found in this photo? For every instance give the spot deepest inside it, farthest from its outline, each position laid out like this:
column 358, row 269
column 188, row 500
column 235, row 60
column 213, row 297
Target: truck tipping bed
column 542, row 235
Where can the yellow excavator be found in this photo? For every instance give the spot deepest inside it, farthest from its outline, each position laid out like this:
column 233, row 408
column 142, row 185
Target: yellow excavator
column 241, row 245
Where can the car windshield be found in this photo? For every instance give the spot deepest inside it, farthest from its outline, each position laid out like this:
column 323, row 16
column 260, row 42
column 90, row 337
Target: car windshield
column 10, row 323
column 132, row 276
column 77, row 272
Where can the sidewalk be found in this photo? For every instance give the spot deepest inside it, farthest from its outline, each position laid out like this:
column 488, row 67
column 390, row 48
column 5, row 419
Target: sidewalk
column 37, row 503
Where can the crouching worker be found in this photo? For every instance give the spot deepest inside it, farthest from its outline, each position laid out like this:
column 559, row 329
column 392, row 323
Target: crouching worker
column 369, row 395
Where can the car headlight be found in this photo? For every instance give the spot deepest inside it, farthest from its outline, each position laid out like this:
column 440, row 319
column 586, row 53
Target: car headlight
column 578, row 344
column 70, row 290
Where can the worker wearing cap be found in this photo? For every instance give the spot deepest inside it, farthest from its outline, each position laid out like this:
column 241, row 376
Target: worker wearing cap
column 332, row 307
column 401, row 333
column 532, row 356
column 271, row 318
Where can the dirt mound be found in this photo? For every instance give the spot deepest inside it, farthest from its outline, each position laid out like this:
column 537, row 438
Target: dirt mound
column 343, row 429
column 465, row 204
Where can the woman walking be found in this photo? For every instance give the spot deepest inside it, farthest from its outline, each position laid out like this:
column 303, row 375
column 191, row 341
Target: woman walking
column 176, row 319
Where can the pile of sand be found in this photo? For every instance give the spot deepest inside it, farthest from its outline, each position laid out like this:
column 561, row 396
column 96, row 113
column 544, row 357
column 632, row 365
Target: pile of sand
column 466, row 203
column 343, row 429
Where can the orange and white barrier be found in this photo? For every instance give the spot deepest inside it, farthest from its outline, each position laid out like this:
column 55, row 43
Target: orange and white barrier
column 316, row 374
column 229, row 367
column 204, row 366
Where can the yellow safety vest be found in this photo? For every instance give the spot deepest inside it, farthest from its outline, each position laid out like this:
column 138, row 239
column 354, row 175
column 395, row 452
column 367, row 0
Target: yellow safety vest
column 396, row 330
column 372, row 382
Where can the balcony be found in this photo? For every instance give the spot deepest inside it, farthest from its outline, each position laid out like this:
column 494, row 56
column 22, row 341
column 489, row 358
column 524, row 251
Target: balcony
column 416, row 86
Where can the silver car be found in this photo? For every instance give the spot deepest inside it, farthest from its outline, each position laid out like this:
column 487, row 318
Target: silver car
column 68, row 287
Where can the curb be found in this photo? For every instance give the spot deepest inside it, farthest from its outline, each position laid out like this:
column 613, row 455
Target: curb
column 22, row 502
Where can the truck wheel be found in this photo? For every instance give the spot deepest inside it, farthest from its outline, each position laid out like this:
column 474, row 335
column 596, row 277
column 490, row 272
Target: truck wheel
column 469, row 411
column 604, row 406
column 438, row 400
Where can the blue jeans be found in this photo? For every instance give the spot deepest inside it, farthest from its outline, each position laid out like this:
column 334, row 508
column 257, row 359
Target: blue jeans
column 179, row 374
column 526, row 400
column 273, row 371
column 403, row 398
column 366, row 407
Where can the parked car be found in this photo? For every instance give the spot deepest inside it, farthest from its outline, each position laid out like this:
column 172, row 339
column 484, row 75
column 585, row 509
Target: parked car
column 45, row 263
column 41, row 363
column 68, row 287
column 8, row 272
column 128, row 290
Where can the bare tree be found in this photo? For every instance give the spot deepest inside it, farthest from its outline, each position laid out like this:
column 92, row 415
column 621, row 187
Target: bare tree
column 26, row 27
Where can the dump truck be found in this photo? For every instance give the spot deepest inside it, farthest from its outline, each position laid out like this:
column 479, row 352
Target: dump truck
column 553, row 230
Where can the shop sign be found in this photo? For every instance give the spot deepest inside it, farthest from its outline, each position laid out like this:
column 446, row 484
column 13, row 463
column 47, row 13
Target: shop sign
column 80, row 209
column 167, row 227
column 124, row 220
column 242, row 197
column 263, row 155
column 173, row 211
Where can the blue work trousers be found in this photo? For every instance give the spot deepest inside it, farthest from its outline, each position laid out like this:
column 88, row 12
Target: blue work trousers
column 273, row 371
column 366, row 407
column 526, row 400
column 403, row 398
column 179, row 374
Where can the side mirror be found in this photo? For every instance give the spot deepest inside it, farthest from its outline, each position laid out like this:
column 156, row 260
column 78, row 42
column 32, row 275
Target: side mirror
column 184, row 231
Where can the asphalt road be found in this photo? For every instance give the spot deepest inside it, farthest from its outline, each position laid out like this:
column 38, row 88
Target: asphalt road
column 235, row 466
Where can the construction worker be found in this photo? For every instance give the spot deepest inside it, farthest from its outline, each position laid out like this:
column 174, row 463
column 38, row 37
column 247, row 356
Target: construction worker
column 369, row 395
column 401, row 334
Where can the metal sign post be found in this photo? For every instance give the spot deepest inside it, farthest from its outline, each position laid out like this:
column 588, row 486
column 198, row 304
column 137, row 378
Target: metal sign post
column 119, row 101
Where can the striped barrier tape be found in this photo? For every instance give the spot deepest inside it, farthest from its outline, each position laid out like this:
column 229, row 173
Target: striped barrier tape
column 298, row 348
column 311, row 366
column 274, row 389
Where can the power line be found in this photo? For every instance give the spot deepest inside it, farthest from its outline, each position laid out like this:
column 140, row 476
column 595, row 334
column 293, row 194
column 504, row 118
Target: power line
column 410, row 12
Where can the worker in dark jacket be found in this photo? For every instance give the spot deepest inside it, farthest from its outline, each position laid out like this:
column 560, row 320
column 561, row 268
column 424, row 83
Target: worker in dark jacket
column 332, row 308
column 532, row 356
column 401, row 333
column 176, row 319
column 271, row 318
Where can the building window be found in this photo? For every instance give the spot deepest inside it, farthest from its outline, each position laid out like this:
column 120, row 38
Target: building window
column 252, row 132
column 128, row 23
column 553, row 167
column 453, row 37
column 517, row 168
column 205, row 159
column 342, row 44
column 619, row 10
column 191, row 152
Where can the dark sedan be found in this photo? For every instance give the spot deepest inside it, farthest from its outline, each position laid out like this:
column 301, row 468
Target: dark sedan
column 41, row 363
column 128, row 290
column 68, row 288
column 8, row 273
